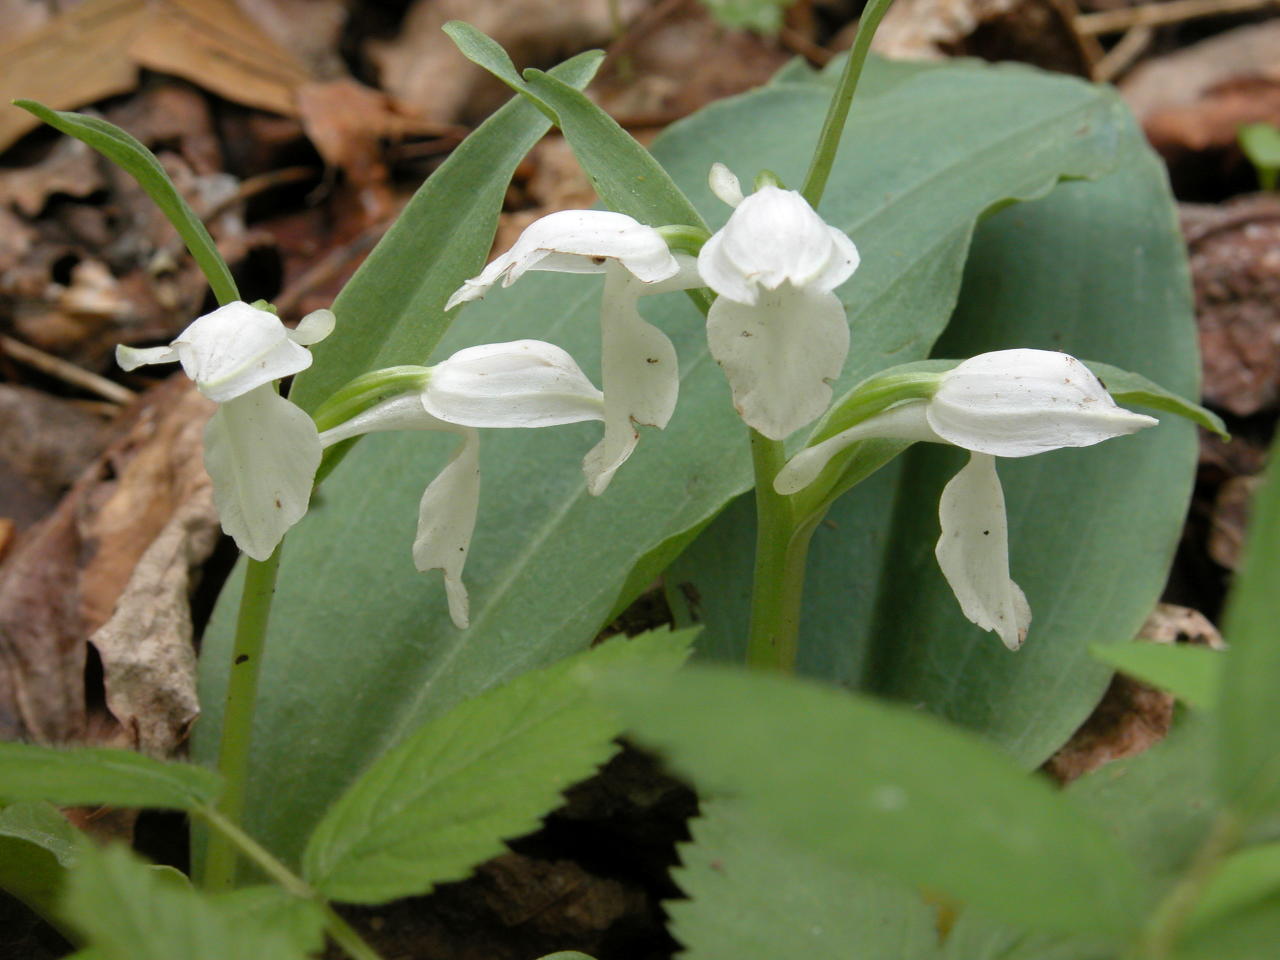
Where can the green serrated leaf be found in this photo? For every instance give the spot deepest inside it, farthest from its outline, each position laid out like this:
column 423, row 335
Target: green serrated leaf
column 140, row 163
column 753, row 896
column 392, row 311
column 119, row 778
column 975, row 937
column 37, row 845
column 1192, row 674
column 278, row 913
column 445, row 799
column 868, row 785
column 1249, row 753
column 126, row 911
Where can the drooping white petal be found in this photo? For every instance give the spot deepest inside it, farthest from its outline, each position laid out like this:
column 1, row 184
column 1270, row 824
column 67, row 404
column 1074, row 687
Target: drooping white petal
column 236, row 349
column 641, row 377
column 313, row 328
column 973, row 551
column 1014, row 403
column 525, row 383
column 779, row 355
column 775, row 237
column 576, row 241
column 906, row 421
column 262, row 453
column 724, row 184
column 447, row 519
column 130, row 358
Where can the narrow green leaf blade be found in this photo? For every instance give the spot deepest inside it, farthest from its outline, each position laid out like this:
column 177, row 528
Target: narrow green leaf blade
column 392, row 311
column 1131, row 388
column 624, row 174
column 120, row 778
column 444, row 800
column 127, row 911
column 865, row 784
column 1245, row 879
column 754, row 896
column 140, row 163
column 1249, row 752
column 484, row 51
column 1192, row 674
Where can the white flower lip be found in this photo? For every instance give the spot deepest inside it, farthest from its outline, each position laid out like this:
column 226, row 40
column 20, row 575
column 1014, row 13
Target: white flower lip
column 576, row 241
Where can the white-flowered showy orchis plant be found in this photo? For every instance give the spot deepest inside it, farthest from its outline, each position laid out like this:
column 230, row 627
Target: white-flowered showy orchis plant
column 776, row 328
column 261, row 451
column 1009, row 403
column 525, row 383
column 640, row 374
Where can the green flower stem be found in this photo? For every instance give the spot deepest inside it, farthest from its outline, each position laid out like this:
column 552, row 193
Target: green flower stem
column 1162, row 931
column 338, row 929
column 237, row 718
column 824, row 156
column 781, row 550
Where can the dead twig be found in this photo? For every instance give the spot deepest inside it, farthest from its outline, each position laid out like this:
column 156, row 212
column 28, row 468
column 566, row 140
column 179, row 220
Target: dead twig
column 1121, row 57
column 66, row 372
column 1158, row 14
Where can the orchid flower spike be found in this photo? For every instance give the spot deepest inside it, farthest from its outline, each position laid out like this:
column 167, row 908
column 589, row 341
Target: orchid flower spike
column 776, row 328
column 525, row 383
column 1010, row 403
column 261, row 451
column 641, row 378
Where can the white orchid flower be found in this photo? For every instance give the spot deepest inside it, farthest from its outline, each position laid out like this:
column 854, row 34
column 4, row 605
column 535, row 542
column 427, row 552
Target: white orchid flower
column 525, row 383
column 641, row 376
column 1010, row 403
column 776, row 329
column 261, row 451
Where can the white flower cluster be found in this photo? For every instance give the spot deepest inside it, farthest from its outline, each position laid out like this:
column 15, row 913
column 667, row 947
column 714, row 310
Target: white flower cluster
column 777, row 330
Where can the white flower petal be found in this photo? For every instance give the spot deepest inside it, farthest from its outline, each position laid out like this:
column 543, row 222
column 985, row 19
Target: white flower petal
column 1014, row 403
column 973, row 551
column 779, row 355
column 313, row 328
column 725, row 185
column 262, row 453
column 447, row 519
column 236, row 349
column 402, row 412
column 576, row 241
column 525, row 383
column 641, row 378
column 775, row 237
column 906, row 421
column 130, row 358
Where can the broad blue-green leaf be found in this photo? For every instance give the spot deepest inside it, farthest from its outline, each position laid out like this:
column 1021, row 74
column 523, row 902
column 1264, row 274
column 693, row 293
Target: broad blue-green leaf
column 392, row 311
column 443, row 801
column 753, row 896
column 1135, row 390
column 867, row 784
column 1249, row 751
column 548, row 562
column 133, row 158
column 37, row 845
column 120, row 778
column 1192, row 674
column 126, row 911
column 1160, row 804
column 1092, row 531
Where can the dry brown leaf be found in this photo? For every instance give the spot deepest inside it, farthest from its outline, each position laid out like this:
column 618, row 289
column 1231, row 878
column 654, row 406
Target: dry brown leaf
column 422, row 68
column 1131, row 716
column 1182, row 78
column 147, row 647
column 70, row 168
column 1230, row 520
column 93, row 51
